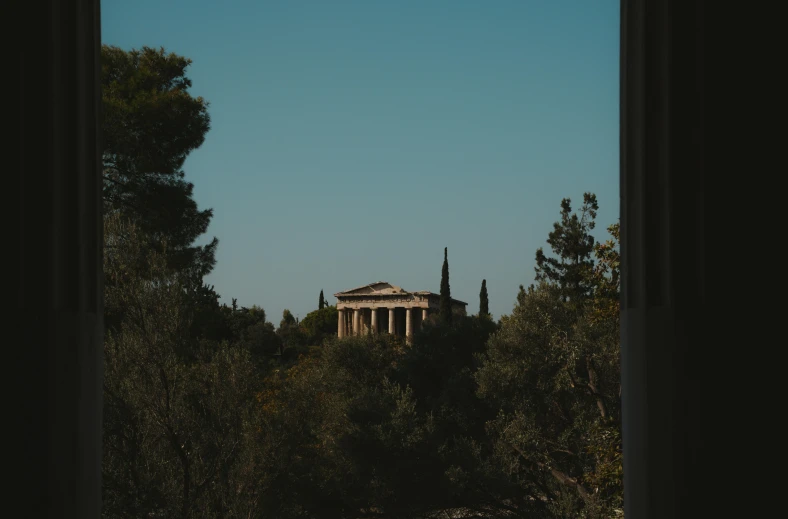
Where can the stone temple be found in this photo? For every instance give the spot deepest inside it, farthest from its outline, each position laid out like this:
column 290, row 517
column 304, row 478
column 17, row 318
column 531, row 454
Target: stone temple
column 382, row 307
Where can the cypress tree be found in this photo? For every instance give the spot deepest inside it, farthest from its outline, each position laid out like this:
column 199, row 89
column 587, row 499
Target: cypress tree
column 484, row 304
column 322, row 301
column 445, row 303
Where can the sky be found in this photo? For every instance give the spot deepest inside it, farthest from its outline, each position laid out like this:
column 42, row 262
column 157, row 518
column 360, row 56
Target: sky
column 351, row 141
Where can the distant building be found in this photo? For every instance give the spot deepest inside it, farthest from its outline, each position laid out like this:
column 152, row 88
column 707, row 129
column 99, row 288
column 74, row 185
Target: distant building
column 403, row 311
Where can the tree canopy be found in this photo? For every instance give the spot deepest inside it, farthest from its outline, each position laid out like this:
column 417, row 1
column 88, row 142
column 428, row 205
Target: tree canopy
column 320, row 324
column 211, row 411
column 151, row 123
column 571, row 265
column 473, row 418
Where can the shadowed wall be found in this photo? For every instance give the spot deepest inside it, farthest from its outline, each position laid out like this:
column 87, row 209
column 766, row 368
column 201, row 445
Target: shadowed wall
column 662, row 245
column 56, row 237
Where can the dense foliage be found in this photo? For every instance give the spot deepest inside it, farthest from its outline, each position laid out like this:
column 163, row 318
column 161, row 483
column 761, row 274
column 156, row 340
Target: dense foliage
column 150, row 124
column 484, row 301
column 445, row 291
column 573, row 246
column 213, row 411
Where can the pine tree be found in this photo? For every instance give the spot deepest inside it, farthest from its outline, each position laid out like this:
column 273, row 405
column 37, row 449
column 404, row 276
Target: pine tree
column 151, row 123
column 445, row 302
column 322, row 301
column 572, row 264
column 484, row 304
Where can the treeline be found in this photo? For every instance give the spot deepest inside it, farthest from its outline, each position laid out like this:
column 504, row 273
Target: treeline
column 212, row 411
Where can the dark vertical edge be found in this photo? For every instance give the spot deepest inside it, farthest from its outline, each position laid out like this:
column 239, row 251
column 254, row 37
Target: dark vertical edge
column 662, row 225
column 633, row 377
column 55, row 463
column 93, row 364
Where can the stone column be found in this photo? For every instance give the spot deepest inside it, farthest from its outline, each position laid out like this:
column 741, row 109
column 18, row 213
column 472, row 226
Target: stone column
column 356, row 322
column 374, row 320
column 423, row 316
column 341, row 327
column 391, row 321
column 409, row 323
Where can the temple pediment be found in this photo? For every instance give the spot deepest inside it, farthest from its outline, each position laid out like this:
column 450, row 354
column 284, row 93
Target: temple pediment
column 377, row 288
column 383, row 290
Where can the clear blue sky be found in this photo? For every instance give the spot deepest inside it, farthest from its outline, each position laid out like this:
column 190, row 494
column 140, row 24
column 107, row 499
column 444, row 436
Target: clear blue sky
column 352, row 141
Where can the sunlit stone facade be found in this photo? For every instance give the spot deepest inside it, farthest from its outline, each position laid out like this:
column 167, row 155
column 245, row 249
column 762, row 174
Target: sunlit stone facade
column 384, row 308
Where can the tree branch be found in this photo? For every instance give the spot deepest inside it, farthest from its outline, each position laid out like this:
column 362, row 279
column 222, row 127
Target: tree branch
column 600, row 402
column 560, row 476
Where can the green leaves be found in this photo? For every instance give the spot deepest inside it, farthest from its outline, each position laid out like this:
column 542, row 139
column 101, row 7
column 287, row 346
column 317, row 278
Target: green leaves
column 445, row 293
column 607, row 278
column 150, row 125
column 484, row 303
column 234, row 418
column 320, row 324
column 571, row 266
column 553, row 371
column 151, row 121
column 175, row 412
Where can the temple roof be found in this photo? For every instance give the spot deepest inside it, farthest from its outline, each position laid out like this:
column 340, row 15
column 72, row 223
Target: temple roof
column 377, row 288
column 384, row 288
